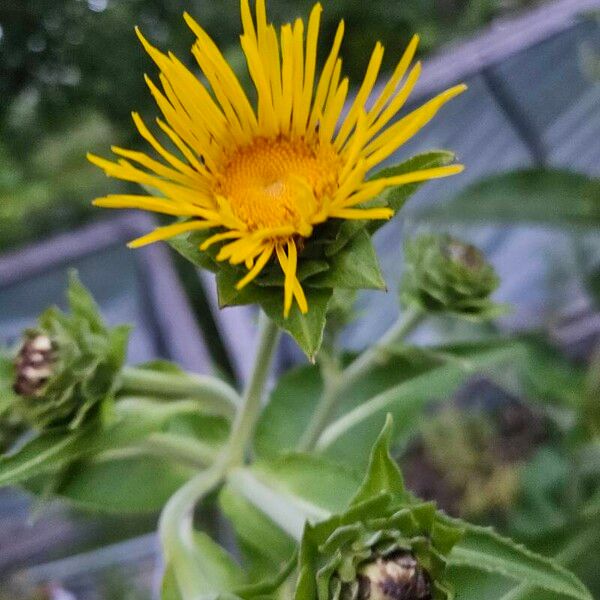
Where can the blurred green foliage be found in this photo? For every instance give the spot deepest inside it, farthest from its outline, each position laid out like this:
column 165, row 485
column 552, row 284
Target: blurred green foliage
column 72, row 70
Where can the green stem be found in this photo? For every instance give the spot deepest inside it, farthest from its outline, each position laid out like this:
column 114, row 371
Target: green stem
column 363, row 364
column 176, row 523
column 180, row 449
column 146, row 407
column 247, row 416
column 212, row 391
column 176, row 530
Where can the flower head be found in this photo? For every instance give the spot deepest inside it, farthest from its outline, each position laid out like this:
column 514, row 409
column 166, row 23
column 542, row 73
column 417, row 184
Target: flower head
column 258, row 181
column 444, row 274
column 386, row 546
column 68, row 365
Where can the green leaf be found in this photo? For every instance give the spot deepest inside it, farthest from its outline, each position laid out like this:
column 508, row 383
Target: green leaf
column 52, row 450
column 303, row 476
column 169, row 589
column 119, row 484
column 44, row 453
column 82, row 304
column 265, row 547
column 473, row 584
column 483, row 549
column 348, row 437
column 162, row 366
column 218, row 569
column 383, row 474
column 290, row 490
column 552, row 197
column 216, row 574
column 354, row 267
column 306, row 329
column 188, row 245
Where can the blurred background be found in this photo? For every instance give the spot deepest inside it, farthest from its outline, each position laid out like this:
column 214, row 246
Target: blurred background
column 71, row 71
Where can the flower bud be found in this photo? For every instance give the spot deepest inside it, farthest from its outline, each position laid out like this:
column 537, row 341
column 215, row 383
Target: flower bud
column 69, row 365
column 34, row 364
column 395, row 577
column 387, row 545
column 446, row 275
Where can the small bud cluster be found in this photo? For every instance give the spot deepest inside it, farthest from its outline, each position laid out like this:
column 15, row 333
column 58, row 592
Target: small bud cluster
column 395, row 577
column 444, row 274
column 34, row 365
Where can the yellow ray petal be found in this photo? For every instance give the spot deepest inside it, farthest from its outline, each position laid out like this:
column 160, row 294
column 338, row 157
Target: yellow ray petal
column 300, row 297
column 390, row 87
column 372, row 188
column 325, row 78
column 362, row 213
column 151, row 203
column 312, row 36
column 169, row 231
column 362, row 96
column 288, row 286
column 259, row 265
column 391, row 139
column 158, row 168
column 298, row 54
column 397, row 102
column 219, row 237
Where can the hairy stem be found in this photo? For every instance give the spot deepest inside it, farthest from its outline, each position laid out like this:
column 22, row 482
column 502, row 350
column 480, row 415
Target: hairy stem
column 176, row 526
column 247, row 416
column 176, row 530
column 363, row 364
column 179, row 448
column 213, row 392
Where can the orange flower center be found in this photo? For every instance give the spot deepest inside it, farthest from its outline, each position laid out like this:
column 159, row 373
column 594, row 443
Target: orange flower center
column 280, row 184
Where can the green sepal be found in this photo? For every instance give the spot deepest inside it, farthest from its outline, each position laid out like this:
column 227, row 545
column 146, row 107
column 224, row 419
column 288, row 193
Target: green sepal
column 355, row 266
column 188, row 245
column 273, row 275
column 306, row 329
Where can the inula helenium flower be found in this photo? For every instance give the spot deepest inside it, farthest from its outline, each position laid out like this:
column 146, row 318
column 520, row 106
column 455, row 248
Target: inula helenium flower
column 260, row 179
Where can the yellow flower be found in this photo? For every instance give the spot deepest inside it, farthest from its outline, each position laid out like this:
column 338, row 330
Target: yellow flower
column 263, row 177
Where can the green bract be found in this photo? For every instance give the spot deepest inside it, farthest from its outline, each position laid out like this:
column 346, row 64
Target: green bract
column 69, row 364
column 386, row 545
column 446, row 275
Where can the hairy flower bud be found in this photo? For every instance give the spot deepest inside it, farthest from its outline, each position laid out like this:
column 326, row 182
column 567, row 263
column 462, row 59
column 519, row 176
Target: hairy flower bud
column 397, row 576
column 69, row 365
column 446, row 275
column 387, row 545
column 34, row 364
